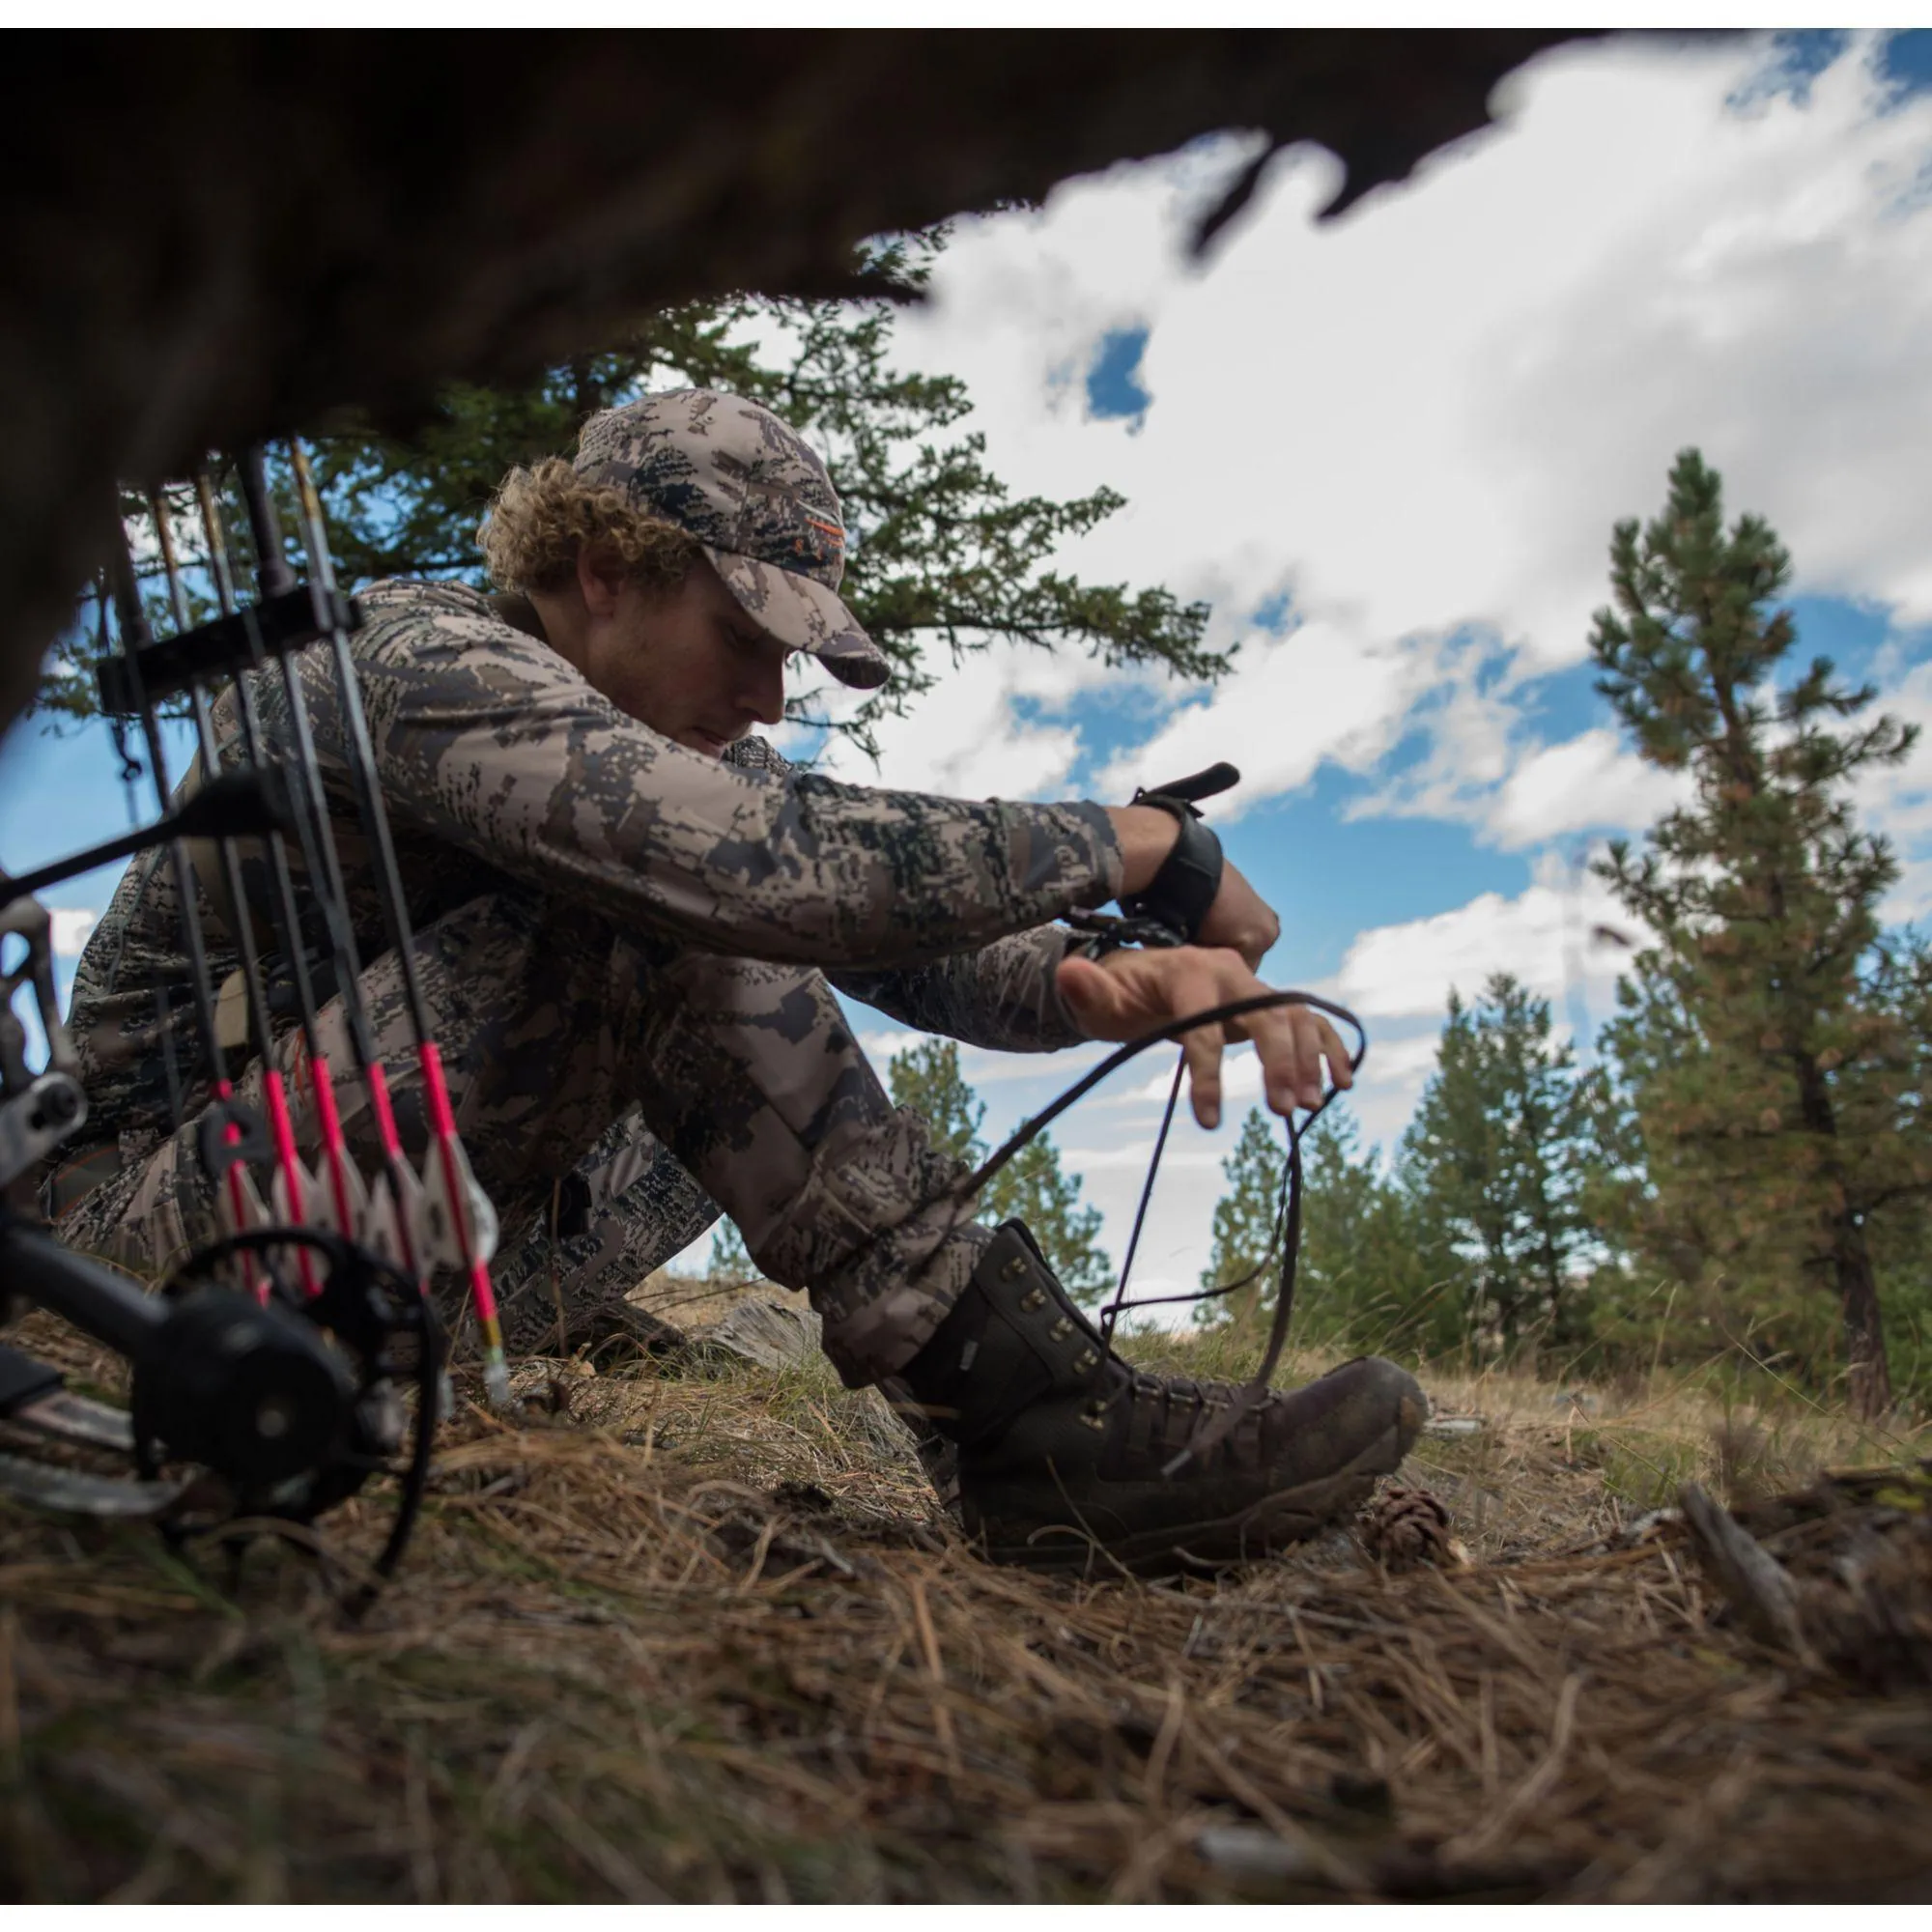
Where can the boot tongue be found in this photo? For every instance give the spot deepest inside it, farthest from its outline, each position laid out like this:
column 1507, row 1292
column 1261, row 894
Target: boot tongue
column 938, row 1375
column 1012, row 1339
column 970, row 1382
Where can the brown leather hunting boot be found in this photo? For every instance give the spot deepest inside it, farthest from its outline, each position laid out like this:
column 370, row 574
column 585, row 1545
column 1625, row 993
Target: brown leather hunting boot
column 1061, row 1446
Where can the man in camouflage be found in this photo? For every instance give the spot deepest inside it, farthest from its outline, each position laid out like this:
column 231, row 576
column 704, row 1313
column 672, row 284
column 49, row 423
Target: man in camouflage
column 630, row 919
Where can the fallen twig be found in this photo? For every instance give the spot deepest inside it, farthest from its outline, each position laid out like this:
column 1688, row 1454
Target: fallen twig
column 1754, row 1584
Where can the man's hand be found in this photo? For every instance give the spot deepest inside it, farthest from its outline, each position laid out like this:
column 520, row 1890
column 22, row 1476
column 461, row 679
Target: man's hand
column 1129, row 993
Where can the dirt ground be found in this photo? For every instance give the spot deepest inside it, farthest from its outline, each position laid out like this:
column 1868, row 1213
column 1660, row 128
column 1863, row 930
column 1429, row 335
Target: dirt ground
column 699, row 1630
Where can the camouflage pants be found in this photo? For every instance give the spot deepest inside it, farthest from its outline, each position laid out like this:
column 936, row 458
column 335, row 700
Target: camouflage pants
column 564, row 1278
column 569, row 1046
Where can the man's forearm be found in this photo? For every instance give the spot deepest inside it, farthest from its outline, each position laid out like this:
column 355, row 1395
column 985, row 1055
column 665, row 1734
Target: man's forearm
column 1145, row 837
column 1005, row 996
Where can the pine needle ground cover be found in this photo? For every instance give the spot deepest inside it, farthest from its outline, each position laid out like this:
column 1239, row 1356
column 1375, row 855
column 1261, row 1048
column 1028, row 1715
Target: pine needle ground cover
column 702, row 1634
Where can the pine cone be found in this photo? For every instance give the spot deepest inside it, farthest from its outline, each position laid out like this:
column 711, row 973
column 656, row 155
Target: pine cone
column 1403, row 1527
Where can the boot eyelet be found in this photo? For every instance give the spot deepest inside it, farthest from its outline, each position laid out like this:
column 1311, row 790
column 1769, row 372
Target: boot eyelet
column 1061, row 1329
column 1033, row 1298
column 1013, row 1269
column 1095, row 1415
column 1086, row 1360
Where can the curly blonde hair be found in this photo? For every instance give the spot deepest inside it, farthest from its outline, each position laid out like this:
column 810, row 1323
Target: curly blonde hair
column 543, row 516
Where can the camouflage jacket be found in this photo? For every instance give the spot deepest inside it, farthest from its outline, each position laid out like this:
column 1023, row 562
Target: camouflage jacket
column 502, row 766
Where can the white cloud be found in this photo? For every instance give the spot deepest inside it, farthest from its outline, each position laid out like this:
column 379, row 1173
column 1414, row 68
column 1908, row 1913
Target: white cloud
column 1319, row 693
column 1422, row 419
column 1240, row 1077
column 1911, row 899
column 1466, row 384
column 880, row 1047
column 1482, row 767
column 1470, row 727
column 1896, row 800
column 1390, row 1083
column 1101, row 1160
column 72, row 925
column 1547, row 936
column 982, row 1065
column 1591, row 780
column 968, row 738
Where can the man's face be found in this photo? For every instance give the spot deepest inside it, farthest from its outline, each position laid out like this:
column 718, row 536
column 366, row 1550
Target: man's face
column 689, row 662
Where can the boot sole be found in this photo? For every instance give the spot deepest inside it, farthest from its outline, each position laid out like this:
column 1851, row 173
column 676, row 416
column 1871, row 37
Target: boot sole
column 1262, row 1529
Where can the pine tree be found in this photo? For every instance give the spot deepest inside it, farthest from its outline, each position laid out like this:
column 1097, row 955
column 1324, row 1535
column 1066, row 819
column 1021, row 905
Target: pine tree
column 1245, row 1221
column 938, row 548
column 926, row 1078
column 1497, row 1157
column 1368, row 1274
column 1766, row 1045
column 729, row 1259
column 1030, row 1187
column 1375, row 1274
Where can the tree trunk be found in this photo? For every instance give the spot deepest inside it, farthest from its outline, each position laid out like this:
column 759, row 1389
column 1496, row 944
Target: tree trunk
column 585, row 398
column 1868, row 1374
column 1868, row 1377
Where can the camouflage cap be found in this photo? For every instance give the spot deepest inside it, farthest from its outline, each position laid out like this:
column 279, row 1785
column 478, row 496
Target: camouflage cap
column 755, row 496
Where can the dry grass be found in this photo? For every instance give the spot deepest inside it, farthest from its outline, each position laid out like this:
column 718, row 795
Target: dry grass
column 707, row 1637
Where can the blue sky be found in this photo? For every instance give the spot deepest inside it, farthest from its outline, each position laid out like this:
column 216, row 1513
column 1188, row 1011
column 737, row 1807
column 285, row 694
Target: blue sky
column 1389, row 452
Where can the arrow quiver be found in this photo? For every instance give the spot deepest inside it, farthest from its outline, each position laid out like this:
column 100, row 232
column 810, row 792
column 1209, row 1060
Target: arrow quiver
column 287, row 1362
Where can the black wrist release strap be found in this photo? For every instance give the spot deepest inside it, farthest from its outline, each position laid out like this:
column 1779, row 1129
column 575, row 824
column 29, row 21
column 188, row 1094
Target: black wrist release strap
column 1180, row 895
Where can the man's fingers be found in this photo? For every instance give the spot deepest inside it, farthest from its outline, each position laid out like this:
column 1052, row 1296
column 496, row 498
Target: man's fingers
column 1317, row 1041
column 1097, row 998
column 1290, row 1076
column 1292, row 1043
column 1194, row 991
column 1136, row 992
column 1335, row 1053
column 1203, row 1050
